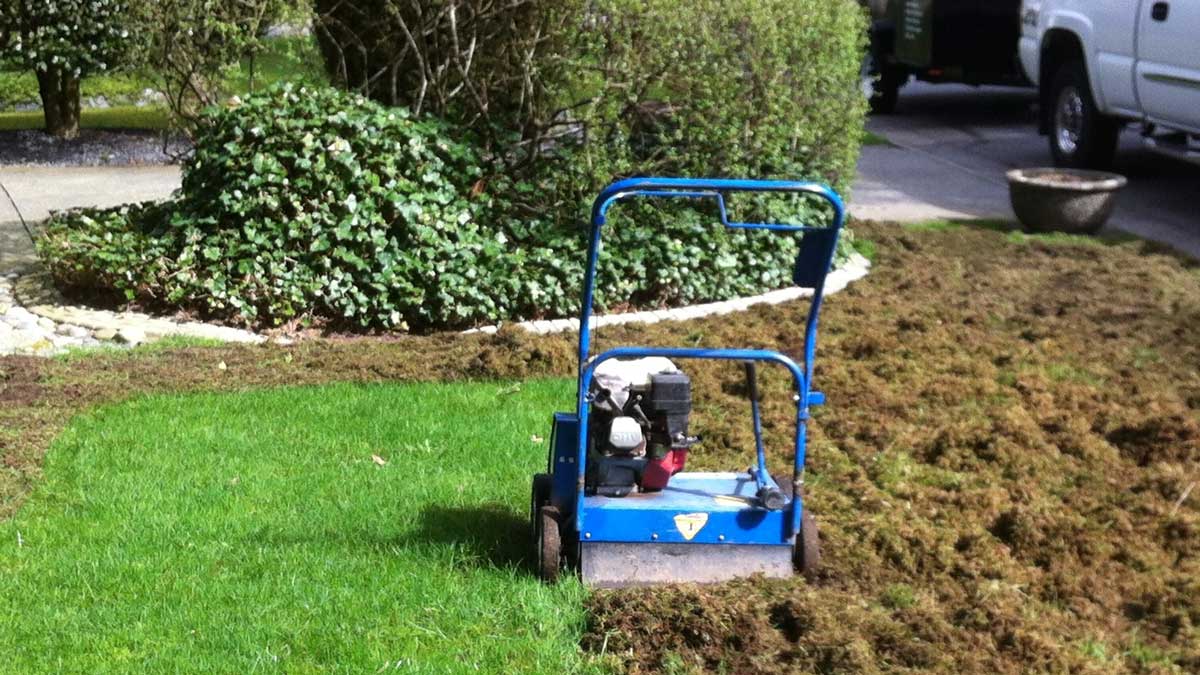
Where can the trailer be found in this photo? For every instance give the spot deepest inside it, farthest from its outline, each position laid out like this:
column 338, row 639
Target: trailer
column 965, row 41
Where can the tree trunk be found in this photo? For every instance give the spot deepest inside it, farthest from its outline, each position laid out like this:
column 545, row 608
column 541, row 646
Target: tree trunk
column 60, row 103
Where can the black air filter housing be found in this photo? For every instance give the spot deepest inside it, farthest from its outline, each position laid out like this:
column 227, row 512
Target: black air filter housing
column 669, row 404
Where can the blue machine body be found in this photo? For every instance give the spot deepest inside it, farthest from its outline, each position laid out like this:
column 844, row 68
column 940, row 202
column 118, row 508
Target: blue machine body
column 725, row 503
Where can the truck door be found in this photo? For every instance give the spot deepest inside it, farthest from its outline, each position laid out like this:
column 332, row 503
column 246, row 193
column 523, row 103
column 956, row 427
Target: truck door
column 1167, row 74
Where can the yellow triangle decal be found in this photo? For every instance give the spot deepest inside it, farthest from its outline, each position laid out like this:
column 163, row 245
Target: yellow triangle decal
column 690, row 524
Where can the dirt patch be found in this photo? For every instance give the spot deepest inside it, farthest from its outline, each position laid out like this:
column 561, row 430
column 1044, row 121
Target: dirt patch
column 19, row 381
column 93, row 147
column 1001, row 475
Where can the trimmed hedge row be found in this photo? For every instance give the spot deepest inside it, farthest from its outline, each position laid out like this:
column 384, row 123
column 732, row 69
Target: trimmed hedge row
column 766, row 88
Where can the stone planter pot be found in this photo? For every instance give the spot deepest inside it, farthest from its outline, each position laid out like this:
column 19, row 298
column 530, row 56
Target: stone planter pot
column 1063, row 200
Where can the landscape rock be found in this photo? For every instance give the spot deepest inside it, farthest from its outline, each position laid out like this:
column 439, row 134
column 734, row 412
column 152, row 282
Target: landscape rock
column 71, row 330
column 131, row 336
column 105, row 334
column 20, row 315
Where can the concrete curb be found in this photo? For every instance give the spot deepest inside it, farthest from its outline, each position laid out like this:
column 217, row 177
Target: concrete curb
column 856, row 268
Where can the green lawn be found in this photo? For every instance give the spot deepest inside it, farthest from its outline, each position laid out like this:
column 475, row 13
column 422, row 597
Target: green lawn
column 254, row 532
column 872, row 138
column 19, row 85
column 117, row 117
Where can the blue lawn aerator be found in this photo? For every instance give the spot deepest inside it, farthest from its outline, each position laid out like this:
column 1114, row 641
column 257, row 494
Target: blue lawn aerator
column 615, row 503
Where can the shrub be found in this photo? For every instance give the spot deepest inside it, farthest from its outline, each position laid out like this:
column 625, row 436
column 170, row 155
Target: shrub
column 762, row 88
column 312, row 204
column 612, row 88
column 759, row 88
column 482, row 64
column 300, row 203
column 117, row 253
column 710, row 87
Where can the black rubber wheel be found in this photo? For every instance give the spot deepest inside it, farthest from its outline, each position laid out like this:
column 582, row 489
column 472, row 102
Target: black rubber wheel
column 880, row 84
column 1081, row 137
column 540, row 494
column 549, row 544
column 806, row 553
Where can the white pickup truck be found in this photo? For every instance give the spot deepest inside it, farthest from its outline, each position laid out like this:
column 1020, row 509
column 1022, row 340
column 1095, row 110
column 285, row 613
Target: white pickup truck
column 1101, row 63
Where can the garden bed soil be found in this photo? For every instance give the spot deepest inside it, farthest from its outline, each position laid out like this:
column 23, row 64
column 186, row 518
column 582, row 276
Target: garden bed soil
column 93, row 147
column 1001, row 476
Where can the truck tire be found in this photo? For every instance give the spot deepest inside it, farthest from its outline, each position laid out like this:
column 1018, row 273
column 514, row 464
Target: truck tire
column 880, row 84
column 1081, row 137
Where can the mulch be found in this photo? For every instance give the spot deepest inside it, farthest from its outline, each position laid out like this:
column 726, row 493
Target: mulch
column 93, row 147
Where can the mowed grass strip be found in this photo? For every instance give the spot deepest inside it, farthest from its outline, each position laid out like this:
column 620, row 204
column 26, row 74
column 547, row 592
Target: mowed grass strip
column 256, row 532
column 117, row 117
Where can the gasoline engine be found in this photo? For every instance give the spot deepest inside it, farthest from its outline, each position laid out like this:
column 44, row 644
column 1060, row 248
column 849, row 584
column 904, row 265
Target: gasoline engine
column 638, row 431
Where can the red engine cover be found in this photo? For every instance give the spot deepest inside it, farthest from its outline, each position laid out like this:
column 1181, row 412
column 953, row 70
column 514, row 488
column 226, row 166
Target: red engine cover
column 659, row 471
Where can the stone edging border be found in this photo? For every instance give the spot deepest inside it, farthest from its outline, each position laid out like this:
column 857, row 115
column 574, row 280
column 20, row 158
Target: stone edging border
column 54, row 326
column 855, row 268
column 38, row 322
column 102, row 322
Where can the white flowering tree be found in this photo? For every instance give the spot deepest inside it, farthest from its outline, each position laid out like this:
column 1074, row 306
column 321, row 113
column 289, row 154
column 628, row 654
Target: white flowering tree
column 64, row 41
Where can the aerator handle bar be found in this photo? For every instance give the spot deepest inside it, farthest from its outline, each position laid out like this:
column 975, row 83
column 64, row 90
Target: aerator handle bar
column 812, row 264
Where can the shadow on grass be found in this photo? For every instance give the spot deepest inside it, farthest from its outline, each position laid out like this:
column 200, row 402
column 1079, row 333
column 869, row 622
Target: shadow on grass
column 483, row 536
column 491, row 535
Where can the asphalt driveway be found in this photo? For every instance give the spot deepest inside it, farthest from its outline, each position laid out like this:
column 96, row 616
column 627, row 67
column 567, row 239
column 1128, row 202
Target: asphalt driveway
column 951, row 144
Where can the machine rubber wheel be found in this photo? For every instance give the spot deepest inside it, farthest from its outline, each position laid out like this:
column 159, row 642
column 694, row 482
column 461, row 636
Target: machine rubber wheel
column 549, row 544
column 880, row 85
column 807, row 552
column 539, row 496
column 1081, row 137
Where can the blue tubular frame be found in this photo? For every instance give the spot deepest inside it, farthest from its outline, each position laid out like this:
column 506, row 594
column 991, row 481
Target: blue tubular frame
column 714, row 188
column 762, row 478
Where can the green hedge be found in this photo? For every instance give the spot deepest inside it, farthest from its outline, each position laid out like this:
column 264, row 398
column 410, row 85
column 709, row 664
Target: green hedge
column 705, row 87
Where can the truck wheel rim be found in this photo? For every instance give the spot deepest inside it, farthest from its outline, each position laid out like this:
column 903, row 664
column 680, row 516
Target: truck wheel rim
column 1068, row 120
